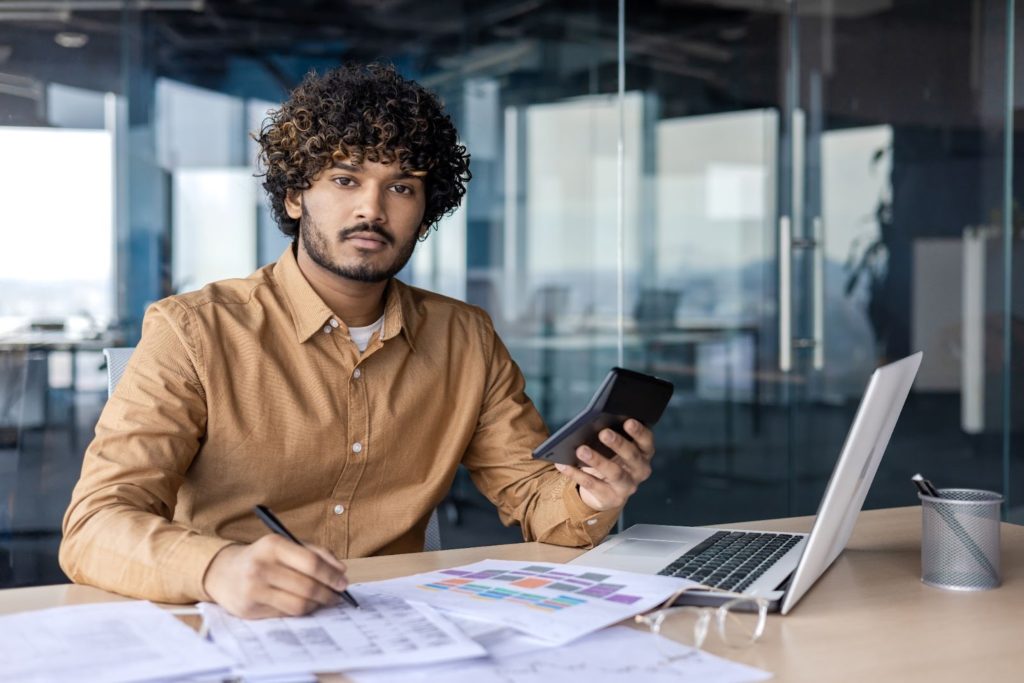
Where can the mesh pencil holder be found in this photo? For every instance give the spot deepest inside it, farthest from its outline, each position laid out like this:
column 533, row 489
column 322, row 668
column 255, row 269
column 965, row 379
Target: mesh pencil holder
column 960, row 539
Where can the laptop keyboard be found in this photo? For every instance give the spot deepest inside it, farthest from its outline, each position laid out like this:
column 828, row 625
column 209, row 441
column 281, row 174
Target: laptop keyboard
column 731, row 560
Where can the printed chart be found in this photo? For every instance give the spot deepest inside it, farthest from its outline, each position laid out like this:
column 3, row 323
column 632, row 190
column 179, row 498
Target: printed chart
column 384, row 631
column 542, row 587
column 555, row 603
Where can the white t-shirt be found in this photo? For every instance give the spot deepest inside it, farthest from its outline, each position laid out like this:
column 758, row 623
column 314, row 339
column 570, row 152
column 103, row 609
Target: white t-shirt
column 362, row 335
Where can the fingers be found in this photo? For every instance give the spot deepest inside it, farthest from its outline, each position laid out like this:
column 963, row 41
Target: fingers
column 274, row 577
column 309, row 592
column 628, row 462
column 622, row 477
column 277, row 602
column 600, row 488
column 633, row 454
column 316, row 563
column 642, row 436
column 609, row 482
column 341, row 583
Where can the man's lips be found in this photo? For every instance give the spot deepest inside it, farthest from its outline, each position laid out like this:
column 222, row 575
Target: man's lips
column 367, row 240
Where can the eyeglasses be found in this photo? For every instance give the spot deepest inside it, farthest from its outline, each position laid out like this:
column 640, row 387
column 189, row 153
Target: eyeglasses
column 740, row 622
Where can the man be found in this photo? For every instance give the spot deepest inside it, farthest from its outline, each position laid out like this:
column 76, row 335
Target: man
column 320, row 386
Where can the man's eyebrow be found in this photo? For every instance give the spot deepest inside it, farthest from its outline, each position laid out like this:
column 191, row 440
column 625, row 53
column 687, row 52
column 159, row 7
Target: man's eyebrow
column 356, row 168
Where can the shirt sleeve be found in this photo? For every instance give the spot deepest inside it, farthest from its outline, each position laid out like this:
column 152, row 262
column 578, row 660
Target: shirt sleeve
column 118, row 529
column 530, row 492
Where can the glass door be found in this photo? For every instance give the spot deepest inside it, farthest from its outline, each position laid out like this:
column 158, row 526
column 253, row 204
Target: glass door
column 701, row 255
column 821, row 191
column 895, row 117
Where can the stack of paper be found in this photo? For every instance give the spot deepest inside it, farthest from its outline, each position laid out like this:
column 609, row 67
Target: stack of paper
column 384, row 631
column 114, row 641
column 617, row 654
column 500, row 621
column 541, row 622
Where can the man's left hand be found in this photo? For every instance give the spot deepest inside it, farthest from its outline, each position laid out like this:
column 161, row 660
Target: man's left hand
column 607, row 483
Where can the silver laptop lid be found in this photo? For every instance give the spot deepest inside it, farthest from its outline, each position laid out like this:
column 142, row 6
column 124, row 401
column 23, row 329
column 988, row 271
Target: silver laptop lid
column 862, row 452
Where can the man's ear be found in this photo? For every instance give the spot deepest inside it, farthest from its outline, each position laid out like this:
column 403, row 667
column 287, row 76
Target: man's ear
column 424, row 231
column 293, row 204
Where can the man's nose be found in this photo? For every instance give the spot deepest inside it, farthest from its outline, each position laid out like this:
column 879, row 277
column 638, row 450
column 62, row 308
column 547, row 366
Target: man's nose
column 370, row 207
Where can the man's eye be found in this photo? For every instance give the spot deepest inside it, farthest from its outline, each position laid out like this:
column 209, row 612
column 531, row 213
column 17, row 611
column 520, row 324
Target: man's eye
column 401, row 189
column 342, row 180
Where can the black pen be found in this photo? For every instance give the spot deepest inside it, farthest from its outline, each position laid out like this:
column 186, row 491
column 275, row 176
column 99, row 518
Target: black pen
column 274, row 524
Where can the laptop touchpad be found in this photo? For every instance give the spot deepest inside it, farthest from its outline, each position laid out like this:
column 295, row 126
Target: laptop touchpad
column 635, row 547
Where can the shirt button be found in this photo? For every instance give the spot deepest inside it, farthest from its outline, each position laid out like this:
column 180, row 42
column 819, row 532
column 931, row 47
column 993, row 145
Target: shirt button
column 338, row 509
column 327, row 329
column 591, row 522
column 357, row 447
column 357, row 373
column 334, row 323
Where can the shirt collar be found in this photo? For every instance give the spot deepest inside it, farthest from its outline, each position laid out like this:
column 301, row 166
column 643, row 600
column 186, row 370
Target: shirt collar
column 310, row 313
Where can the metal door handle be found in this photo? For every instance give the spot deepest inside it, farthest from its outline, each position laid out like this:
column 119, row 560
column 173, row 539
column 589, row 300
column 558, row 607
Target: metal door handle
column 819, row 294
column 785, row 294
column 786, row 342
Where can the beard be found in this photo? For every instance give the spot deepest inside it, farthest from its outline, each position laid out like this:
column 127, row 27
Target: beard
column 314, row 241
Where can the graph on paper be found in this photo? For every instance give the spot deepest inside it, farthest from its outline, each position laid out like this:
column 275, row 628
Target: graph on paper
column 542, row 587
column 612, row 655
column 385, row 631
column 556, row 603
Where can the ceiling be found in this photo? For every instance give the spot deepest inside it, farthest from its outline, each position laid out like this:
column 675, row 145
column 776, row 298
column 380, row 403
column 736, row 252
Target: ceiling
column 204, row 41
column 699, row 55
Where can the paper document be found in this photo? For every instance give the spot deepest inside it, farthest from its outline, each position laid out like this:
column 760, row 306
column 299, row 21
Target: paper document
column 384, row 631
column 553, row 602
column 498, row 640
column 111, row 641
column 615, row 655
column 235, row 677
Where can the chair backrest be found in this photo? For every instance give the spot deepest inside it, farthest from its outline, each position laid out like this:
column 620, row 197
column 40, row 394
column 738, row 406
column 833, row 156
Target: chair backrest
column 656, row 308
column 432, row 539
column 117, row 360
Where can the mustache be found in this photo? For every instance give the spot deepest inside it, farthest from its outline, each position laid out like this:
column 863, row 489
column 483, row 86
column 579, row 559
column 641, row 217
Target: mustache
column 345, row 233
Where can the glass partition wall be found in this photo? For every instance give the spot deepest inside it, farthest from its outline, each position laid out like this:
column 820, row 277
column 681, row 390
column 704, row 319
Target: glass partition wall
column 829, row 189
column 760, row 201
column 60, row 108
column 900, row 117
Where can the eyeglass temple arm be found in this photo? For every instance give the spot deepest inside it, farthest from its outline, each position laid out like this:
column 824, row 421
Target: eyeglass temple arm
column 687, row 589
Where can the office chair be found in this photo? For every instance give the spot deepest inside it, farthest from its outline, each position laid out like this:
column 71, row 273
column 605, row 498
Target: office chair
column 655, row 309
column 117, row 361
column 655, row 316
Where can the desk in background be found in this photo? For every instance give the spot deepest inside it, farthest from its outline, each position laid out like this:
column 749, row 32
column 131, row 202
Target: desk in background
column 656, row 350
column 40, row 345
column 868, row 618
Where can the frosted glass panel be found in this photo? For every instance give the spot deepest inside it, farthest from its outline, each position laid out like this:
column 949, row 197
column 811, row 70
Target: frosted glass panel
column 214, row 223
column 716, row 208
column 57, row 224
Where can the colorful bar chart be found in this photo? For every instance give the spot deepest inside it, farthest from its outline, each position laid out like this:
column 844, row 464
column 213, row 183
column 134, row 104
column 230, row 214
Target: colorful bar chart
column 540, row 587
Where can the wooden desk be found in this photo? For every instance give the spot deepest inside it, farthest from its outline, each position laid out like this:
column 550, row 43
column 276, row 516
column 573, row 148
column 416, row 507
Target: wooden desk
column 869, row 618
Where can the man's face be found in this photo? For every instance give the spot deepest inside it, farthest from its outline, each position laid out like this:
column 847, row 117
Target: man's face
column 360, row 222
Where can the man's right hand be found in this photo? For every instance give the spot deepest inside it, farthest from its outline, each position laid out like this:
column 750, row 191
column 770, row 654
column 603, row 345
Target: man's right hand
column 274, row 577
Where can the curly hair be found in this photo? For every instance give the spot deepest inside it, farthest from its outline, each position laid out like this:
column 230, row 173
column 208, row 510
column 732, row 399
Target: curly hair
column 356, row 113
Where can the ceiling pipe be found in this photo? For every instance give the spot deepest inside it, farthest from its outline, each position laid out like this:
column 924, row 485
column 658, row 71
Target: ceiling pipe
column 13, row 7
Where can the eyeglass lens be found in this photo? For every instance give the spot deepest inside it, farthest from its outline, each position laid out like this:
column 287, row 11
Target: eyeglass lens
column 739, row 623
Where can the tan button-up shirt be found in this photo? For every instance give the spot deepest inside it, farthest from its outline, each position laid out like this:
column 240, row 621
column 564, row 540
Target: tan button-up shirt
column 251, row 391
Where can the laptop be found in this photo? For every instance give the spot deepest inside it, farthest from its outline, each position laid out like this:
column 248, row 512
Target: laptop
column 780, row 567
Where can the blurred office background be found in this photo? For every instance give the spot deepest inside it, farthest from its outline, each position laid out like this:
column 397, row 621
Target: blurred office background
column 760, row 200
